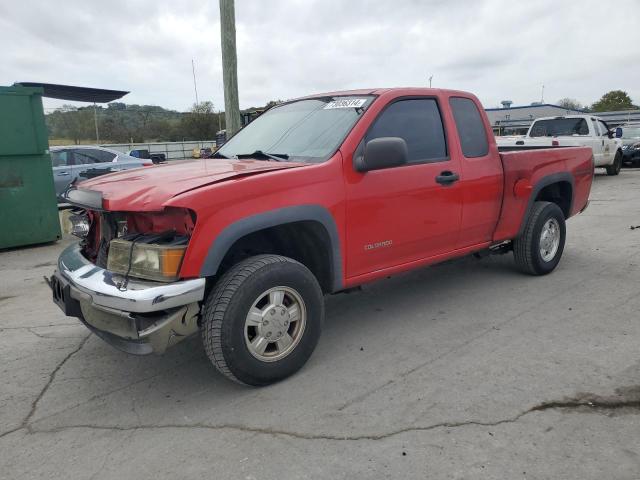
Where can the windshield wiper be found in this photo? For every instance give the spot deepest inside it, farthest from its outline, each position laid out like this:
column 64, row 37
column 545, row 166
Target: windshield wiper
column 278, row 157
column 218, row 155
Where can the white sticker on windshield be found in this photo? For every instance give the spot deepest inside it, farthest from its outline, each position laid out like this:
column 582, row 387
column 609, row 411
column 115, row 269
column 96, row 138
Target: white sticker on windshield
column 346, row 103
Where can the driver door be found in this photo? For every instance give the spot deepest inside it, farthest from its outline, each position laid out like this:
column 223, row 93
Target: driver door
column 403, row 214
column 598, row 145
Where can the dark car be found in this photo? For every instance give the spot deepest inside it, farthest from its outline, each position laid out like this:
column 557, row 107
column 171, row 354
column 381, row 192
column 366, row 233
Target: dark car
column 631, row 145
column 145, row 154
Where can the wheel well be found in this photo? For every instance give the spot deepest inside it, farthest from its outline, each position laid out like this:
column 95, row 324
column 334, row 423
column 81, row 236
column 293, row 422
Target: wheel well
column 560, row 193
column 305, row 241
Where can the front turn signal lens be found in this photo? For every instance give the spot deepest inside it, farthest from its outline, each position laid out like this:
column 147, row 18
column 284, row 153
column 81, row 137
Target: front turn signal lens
column 142, row 260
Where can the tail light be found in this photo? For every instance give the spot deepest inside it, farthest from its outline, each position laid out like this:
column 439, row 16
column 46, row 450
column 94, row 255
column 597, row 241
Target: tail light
column 555, row 143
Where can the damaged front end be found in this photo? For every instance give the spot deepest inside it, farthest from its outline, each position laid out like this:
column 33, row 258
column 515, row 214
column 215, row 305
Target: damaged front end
column 123, row 279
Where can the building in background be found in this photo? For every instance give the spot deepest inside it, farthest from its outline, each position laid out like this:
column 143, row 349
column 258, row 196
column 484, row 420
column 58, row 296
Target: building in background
column 510, row 120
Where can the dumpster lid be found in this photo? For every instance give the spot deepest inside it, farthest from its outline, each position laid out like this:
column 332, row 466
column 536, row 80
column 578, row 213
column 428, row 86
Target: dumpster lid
column 78, row 94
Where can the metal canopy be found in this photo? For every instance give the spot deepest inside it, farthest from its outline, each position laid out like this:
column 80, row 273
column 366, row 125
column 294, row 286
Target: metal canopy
column 78, row 94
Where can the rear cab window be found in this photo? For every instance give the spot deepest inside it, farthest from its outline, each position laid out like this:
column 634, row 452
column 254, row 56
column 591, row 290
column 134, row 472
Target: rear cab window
column 555, row 127
column 471, row 129
column 419, row 123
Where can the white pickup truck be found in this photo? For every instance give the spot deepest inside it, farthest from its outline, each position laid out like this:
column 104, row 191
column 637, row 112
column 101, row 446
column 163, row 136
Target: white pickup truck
column 571, row 131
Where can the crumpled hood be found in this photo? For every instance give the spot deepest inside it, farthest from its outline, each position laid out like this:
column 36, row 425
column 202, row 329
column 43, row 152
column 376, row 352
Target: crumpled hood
column 149, row 188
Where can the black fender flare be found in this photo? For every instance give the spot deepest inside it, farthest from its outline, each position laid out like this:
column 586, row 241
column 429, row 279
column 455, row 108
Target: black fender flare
column 545, row 182
column 272, row 218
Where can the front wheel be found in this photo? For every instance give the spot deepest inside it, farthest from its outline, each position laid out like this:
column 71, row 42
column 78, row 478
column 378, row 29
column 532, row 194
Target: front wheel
column 262, row 320
column 538, row 250
column 614, row 169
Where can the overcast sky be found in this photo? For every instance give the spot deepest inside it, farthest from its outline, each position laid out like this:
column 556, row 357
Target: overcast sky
column 288, row 48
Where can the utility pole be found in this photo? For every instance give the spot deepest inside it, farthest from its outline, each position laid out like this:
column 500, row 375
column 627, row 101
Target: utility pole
column 229, row 66
column 542, row 95
column 95, row 121
column 195, row 85
column 430, row 78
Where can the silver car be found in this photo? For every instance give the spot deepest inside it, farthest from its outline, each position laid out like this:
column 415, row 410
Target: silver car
column 82, row 163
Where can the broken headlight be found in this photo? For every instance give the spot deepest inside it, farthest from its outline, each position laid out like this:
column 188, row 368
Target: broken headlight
column 80, row 224
column 135, row 258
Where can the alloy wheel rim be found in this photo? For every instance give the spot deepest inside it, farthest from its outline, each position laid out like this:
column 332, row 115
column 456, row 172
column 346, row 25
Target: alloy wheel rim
column 549, row 239
column 275, row 324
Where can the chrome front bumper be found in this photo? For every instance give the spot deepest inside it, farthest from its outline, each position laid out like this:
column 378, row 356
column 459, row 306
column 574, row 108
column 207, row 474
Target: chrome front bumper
column 112, row 311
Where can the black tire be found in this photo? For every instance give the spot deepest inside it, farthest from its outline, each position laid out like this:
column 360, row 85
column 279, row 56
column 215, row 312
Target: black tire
column 227, row 306
column 526, row 248
column 614, row 169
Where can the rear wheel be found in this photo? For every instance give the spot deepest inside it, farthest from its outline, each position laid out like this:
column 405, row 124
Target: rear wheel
column 538, row 250
column 614, row 169
column 262, row 320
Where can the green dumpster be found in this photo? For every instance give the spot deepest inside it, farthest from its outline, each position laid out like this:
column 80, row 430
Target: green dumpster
column 28, row 206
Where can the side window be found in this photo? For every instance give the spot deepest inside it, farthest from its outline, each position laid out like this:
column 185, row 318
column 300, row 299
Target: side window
column 473, row 136
column 596, row 132
column 82, row 157
column 60, row 158
column 603, row 128
column 418, row 122
column 87, row 156
column 102, row 156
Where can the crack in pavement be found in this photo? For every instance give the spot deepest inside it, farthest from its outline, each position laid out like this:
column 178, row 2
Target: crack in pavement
column 52, row 376
column 592, row 402
column 118, row 389
column 625, row 397
column 48, row 337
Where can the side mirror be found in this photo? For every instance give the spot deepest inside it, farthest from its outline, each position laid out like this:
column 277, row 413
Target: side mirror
column 610, row 133
column 384, row 152
column 618, row 132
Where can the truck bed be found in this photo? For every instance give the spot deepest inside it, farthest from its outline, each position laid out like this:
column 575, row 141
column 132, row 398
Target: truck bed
column 527, row 172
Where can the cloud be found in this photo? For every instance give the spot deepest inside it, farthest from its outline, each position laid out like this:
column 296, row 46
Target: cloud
column 289, row 48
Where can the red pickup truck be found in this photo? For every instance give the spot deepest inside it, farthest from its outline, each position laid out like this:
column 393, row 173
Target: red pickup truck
column 316, row 196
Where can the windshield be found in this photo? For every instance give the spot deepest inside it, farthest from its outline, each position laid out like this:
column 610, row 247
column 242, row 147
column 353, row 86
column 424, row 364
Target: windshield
column 305, row 130
column 631, row 133
column 559, row 127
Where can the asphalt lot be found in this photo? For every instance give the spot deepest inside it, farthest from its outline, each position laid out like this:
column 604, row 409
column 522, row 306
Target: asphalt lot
column 464, row 370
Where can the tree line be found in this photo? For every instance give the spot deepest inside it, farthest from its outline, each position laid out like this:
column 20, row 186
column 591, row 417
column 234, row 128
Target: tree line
column 610, row 101
column 122, row 123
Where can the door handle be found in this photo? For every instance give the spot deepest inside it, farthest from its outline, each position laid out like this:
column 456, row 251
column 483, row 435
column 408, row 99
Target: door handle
column 447, row 178
column 63, row 174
